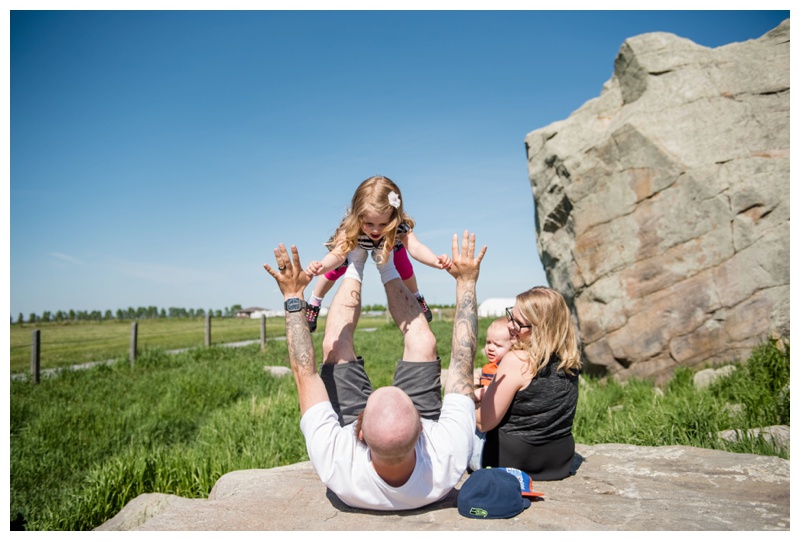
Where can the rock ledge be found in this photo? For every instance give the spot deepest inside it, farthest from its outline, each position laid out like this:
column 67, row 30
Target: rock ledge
column 615, row 487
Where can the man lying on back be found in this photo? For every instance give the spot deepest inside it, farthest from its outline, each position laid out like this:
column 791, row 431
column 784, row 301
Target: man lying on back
column 398, row 447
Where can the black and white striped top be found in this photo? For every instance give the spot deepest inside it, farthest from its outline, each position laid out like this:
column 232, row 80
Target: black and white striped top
column 365, row 242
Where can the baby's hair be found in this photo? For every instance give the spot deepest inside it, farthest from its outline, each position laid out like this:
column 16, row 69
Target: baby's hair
column 552, row 330
column 372, row 195
column 499, row 322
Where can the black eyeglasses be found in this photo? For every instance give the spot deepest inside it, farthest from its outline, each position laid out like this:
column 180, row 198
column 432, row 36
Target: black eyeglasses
column 517, row 325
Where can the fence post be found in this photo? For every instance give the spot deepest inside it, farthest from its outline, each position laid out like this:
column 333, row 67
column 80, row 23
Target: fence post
column 35, row 343
column 134, row 333
column 263, row 332
column 208, row 330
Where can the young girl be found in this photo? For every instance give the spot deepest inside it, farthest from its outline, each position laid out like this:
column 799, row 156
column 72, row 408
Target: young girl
column 375, row 221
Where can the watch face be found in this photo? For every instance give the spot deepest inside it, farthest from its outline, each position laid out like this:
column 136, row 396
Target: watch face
column 294, row 305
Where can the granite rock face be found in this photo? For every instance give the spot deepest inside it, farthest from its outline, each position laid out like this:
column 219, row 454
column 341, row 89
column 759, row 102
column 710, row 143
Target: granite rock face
column 615, row 487
column 662, row 206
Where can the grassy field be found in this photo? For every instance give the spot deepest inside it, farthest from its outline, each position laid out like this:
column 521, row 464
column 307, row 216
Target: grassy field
column 71, row 343
column 85, row 443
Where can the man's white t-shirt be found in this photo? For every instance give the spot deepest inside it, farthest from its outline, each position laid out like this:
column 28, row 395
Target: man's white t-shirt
column 344, row 466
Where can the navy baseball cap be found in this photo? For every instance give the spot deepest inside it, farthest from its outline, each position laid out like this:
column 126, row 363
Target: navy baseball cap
column 491, row 493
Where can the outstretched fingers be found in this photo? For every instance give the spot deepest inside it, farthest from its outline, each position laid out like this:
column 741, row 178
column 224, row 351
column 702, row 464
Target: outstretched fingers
column 467, row 248
column 282, row 260
column 481, row 254
column 295, row 258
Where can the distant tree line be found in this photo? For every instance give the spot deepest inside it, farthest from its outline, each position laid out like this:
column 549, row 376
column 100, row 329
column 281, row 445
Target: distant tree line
column 142, row 312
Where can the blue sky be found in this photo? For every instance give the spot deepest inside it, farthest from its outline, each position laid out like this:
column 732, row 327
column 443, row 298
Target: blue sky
column 157, row 158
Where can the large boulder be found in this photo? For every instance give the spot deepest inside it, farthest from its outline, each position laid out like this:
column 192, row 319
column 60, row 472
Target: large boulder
column 615, row 487
column 662, row 206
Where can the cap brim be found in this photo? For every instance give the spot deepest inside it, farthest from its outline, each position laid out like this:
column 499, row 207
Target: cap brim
column 525, row 503
column 532, row 494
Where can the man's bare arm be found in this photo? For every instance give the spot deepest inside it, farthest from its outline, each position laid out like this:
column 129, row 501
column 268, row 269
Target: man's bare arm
column 465, row 268
column 465, row 338
column 292, row 280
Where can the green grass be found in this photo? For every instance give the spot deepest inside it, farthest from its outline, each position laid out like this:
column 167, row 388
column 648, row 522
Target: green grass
column 637, row 412
column 85, row 443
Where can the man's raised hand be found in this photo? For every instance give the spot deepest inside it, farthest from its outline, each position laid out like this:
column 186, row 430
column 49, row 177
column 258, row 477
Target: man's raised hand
column 465, row 265
column 291, row 277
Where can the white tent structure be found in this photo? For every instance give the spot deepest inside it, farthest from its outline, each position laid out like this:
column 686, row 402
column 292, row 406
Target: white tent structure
column 495, row 307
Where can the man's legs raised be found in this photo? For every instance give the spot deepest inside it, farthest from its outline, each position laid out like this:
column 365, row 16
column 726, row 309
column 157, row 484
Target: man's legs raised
column 342, row 372
column 418, row 373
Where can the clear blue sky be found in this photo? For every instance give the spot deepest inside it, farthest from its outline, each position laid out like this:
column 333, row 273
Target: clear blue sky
column 157, row 157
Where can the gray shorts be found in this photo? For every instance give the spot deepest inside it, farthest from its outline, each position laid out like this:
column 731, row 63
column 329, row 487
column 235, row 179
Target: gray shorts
column 349, row 387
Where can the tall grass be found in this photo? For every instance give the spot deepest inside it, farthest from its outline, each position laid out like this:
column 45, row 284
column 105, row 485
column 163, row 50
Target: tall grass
column 637, row 412
column 85, row 443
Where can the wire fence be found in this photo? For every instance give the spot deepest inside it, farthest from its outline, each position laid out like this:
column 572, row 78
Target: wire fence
column 133, row 347
column 86, row 344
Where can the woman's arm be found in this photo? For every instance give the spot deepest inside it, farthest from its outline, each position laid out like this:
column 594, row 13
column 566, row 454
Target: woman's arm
column 423, row 254
column 509, row 378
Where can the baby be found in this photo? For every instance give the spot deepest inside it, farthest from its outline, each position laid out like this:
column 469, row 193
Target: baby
column 498, row 343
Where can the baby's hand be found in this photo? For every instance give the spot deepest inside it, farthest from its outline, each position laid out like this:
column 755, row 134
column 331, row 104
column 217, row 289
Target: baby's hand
column 444, row 261
column 314, row 268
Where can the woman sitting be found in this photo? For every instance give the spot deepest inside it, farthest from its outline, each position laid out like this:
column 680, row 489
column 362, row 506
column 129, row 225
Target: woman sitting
column 527, row 410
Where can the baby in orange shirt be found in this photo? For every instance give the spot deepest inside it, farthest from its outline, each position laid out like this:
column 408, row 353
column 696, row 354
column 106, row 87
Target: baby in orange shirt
column 498, row 343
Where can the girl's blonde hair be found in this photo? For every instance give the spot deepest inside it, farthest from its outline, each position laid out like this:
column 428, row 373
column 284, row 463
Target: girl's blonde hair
column 552, row 330
column 372, row 195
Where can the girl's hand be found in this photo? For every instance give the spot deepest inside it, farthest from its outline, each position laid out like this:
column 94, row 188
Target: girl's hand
column 444, row 261
column 314, row 268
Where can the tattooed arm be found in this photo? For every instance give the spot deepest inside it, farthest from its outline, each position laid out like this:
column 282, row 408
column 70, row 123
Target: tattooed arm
column 292, row 281
column 465, row 268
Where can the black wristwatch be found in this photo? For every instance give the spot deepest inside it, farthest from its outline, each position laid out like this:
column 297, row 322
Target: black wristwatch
column 295, row 304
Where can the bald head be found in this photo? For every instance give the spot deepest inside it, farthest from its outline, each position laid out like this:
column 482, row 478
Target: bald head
column 391, row 424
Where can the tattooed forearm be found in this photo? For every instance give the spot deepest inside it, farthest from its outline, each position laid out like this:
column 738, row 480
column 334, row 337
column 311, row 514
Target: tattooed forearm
column 465, row 340
column 301, row 348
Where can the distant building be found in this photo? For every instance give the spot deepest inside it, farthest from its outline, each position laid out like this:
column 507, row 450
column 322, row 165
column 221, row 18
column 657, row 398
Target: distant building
column 255, row 312
column 495, row 307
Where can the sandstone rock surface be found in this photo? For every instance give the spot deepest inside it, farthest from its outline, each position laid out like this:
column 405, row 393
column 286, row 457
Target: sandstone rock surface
column 615, row 487
column 662, row 206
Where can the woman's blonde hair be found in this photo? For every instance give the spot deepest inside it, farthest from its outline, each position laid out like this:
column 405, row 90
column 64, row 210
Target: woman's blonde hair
column 552, row 330
column 372, row 195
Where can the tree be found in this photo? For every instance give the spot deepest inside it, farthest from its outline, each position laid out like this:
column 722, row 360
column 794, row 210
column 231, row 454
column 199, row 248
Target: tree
column 20, row 321
column 32, row 318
